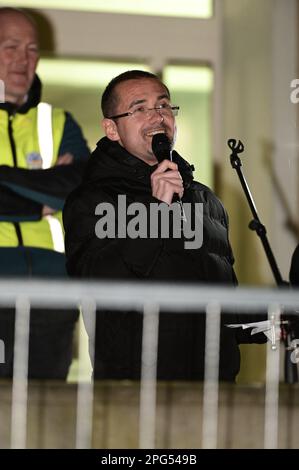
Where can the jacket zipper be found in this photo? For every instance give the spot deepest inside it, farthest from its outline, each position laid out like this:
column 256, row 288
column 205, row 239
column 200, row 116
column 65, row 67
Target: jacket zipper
column 14, row 156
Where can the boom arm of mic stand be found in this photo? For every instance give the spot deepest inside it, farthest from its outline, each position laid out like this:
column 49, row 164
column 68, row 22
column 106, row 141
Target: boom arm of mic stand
column 291, row 372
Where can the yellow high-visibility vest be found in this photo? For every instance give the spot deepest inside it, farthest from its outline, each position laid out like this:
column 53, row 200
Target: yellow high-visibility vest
column 37, row 135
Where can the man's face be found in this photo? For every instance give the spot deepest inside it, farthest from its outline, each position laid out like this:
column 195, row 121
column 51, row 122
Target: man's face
column 18, row 56
column 135, row 133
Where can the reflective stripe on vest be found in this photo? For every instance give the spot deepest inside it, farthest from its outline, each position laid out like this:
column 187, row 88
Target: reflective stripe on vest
column 45, row 133
column 45, row 141
column 56, row 232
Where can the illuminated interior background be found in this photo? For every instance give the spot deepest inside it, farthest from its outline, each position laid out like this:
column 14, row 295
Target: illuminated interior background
column 191, row 87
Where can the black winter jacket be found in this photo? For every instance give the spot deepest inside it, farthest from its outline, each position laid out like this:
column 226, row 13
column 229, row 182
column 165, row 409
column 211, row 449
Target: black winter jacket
column 112, row 171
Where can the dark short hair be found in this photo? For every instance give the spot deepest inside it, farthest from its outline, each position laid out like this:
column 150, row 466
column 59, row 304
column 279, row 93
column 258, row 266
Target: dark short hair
column 110, row 98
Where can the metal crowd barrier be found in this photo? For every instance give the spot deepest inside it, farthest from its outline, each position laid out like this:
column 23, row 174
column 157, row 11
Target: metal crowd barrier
column 149, row 298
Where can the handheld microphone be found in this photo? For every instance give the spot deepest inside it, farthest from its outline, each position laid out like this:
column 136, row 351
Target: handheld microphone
column 161, row 148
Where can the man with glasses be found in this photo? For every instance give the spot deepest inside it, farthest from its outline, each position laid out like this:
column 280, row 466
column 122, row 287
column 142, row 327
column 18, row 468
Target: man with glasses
column 124, row 174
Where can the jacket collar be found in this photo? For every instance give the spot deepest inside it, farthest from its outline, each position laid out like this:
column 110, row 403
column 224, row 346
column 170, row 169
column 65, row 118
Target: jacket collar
column 33, row 98
column 111, row 160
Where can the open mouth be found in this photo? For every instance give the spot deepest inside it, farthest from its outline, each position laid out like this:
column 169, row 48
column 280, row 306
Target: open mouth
column 156, row 131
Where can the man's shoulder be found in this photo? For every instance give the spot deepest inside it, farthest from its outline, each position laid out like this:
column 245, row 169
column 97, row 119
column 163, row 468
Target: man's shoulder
column 214, row 205
column 85, row 198
column 205, row 190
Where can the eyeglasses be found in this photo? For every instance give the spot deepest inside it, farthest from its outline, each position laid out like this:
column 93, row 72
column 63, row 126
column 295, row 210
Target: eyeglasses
column 142, row 112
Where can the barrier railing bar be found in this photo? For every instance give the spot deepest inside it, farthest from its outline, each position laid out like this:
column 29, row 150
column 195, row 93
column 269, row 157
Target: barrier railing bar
column 85, row 392
column 20, row 375
column 211, row 385
column 135, row 295
column 272, row 386
column 148, row 384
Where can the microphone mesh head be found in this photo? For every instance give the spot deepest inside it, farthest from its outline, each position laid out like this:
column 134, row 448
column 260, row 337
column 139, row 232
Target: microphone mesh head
column 161, row 146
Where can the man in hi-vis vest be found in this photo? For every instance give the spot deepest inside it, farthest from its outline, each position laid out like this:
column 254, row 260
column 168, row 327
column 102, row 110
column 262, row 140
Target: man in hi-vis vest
column 42, row 157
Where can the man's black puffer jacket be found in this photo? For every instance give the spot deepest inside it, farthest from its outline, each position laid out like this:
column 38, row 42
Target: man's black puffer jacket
column 111, row 172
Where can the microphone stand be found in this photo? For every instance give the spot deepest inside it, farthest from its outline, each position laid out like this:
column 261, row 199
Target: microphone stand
column 290, row 369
